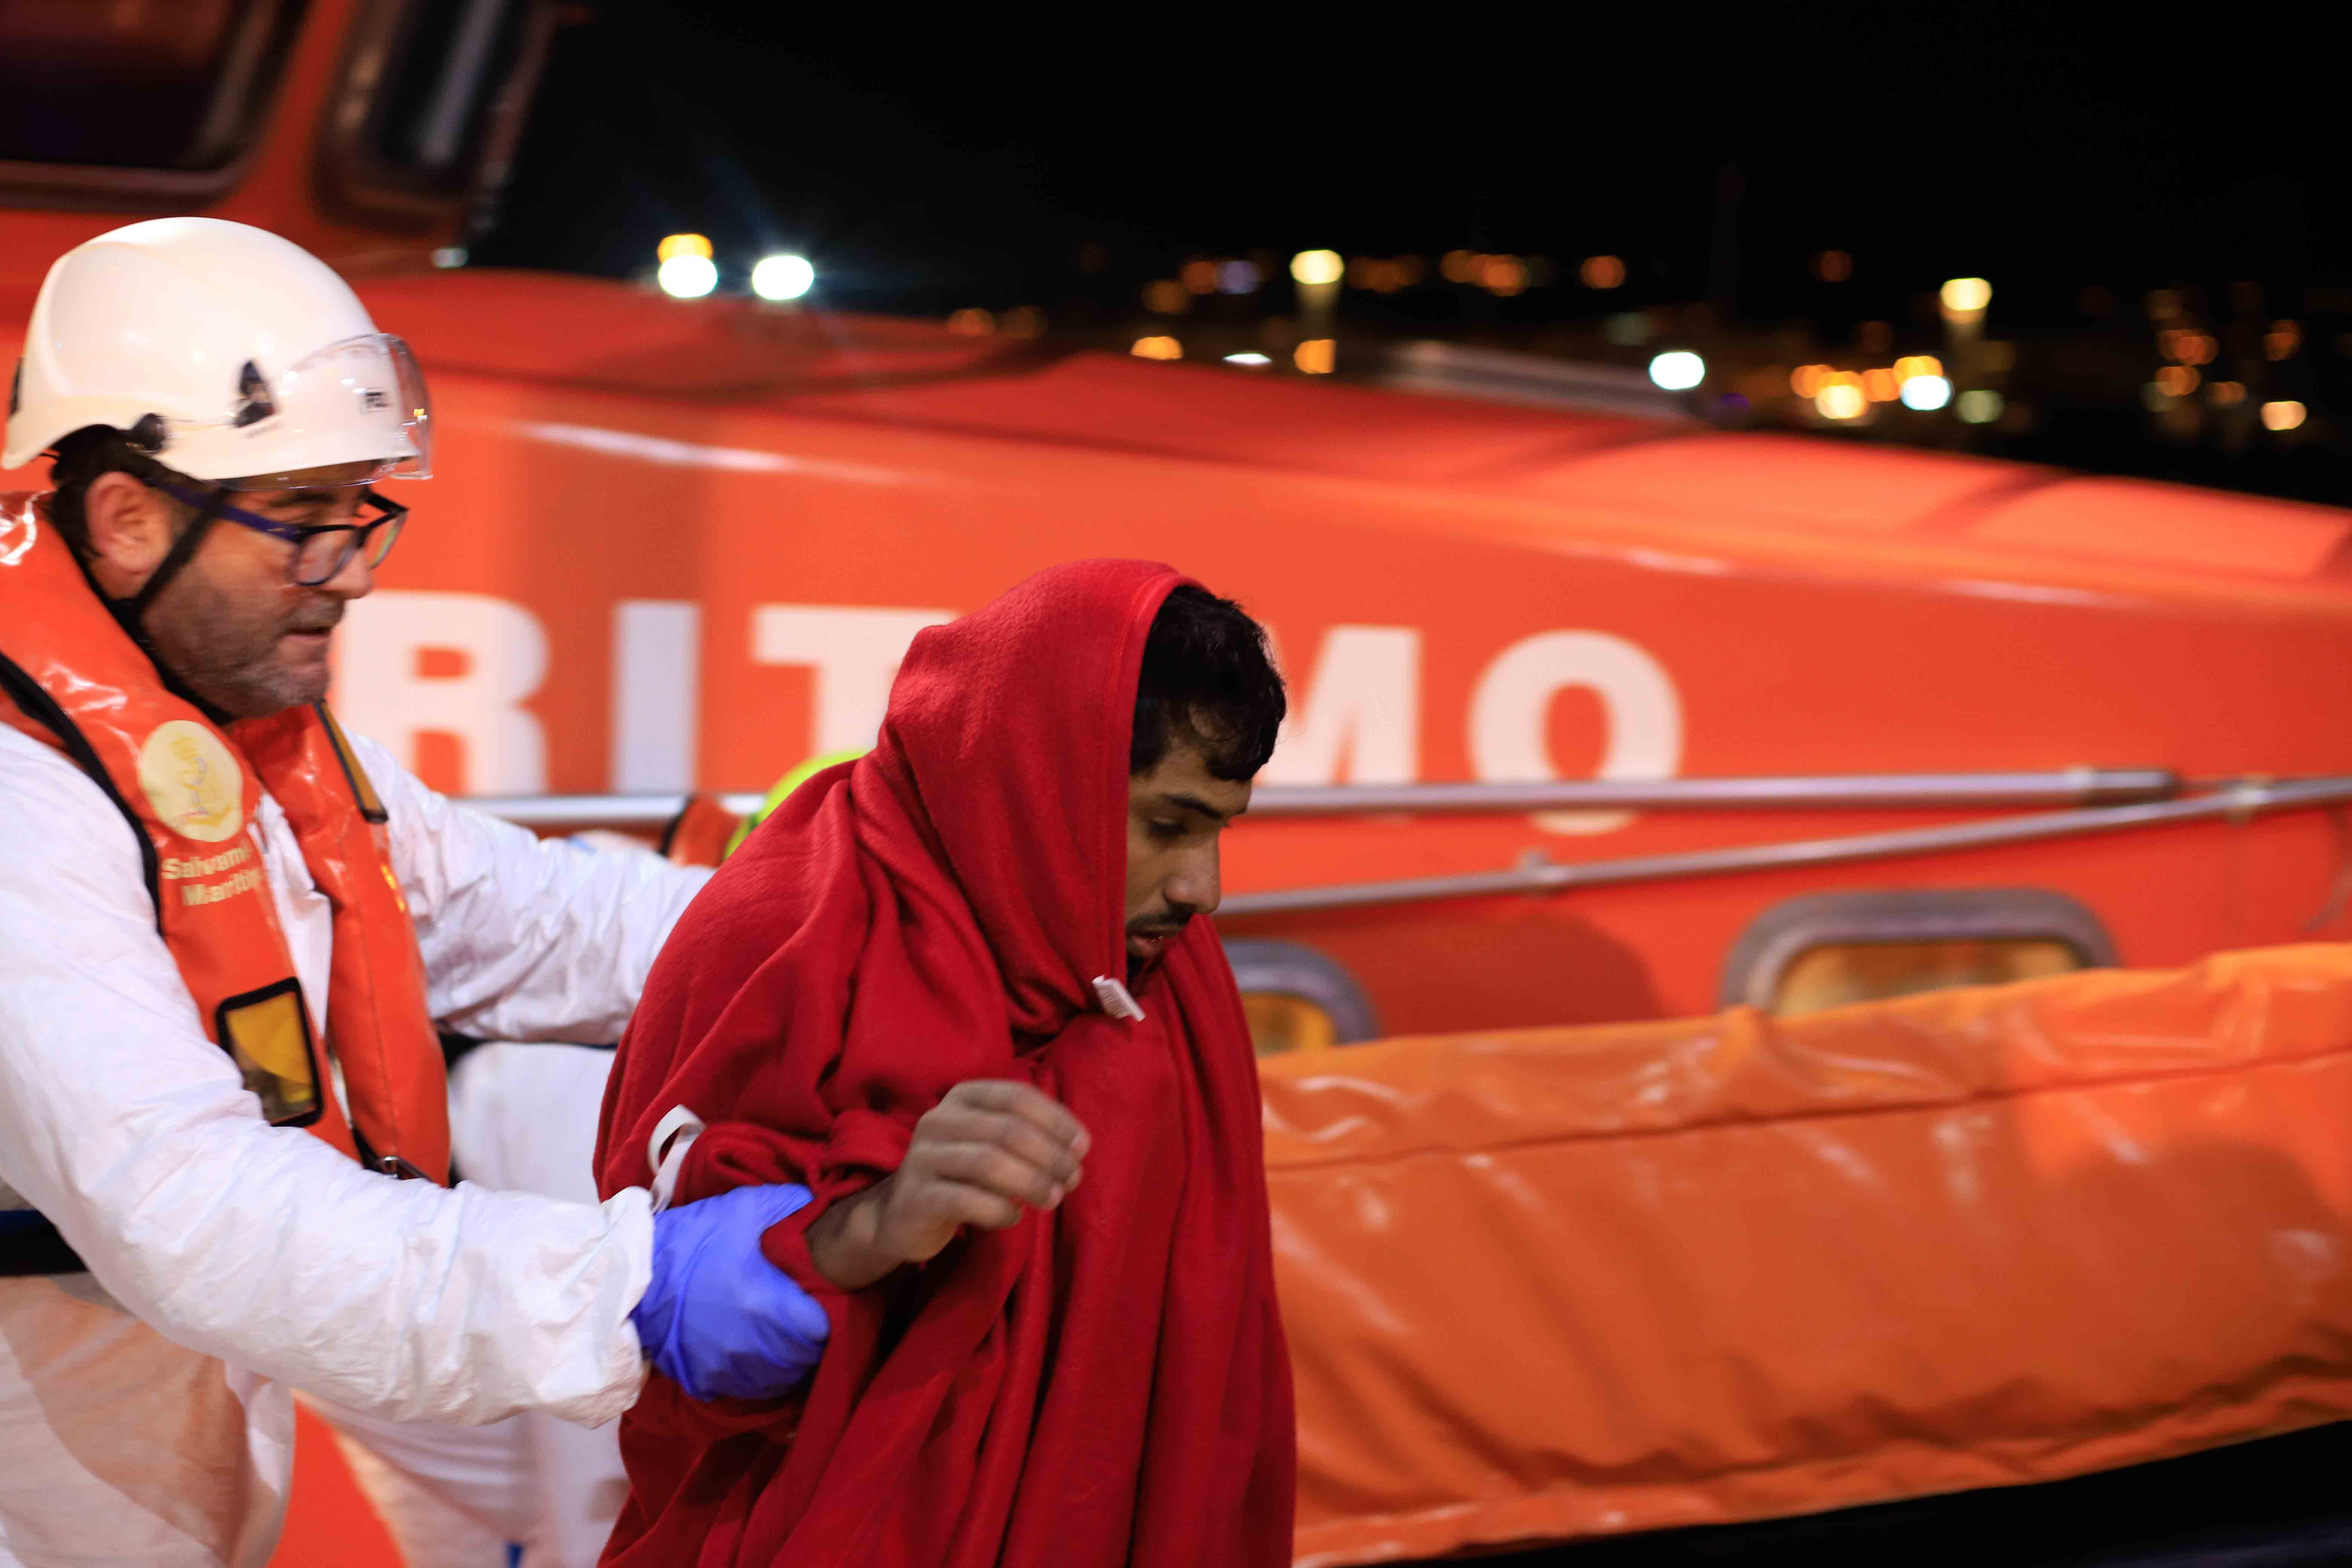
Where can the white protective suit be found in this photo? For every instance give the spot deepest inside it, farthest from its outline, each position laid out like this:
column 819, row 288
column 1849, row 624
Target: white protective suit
column 521, row 1118
column 144, row 1412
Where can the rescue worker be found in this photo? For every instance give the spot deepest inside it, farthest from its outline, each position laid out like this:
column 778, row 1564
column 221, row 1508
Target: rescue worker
column 226, row 930
column 523, row 1118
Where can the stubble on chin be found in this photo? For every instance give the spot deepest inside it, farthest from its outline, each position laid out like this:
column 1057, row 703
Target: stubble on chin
column 264, row 687
column 248, row 672
column 300, row 683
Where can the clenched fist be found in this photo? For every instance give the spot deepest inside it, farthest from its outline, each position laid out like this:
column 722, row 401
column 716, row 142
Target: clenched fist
column 989, row 1151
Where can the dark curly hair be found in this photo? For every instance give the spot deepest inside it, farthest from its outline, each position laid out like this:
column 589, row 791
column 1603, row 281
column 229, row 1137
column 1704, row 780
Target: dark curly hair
column 1209, row 681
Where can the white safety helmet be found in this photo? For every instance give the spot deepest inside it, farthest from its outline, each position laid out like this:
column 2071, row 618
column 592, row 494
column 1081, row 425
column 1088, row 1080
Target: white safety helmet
column 232, row 355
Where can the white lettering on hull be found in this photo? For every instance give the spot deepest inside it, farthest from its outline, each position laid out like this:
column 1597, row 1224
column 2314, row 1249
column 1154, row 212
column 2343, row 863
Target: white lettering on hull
column 657, row 694
column 853, row 652
column 1357, row 720
column 500, row 649
column 1510, row 716
column 1356, row 714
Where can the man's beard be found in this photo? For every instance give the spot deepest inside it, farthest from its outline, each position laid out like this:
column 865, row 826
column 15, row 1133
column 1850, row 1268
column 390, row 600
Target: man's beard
column 229, row 653
column 1171, row 930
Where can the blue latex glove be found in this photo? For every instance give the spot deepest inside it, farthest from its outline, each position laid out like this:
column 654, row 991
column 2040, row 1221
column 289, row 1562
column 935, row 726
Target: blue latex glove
column 719, row 1320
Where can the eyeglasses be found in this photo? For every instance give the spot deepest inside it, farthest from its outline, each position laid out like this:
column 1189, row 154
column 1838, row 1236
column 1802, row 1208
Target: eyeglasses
column 321, row 551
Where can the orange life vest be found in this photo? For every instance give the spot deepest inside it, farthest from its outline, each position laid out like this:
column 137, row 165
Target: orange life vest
column 70, row 676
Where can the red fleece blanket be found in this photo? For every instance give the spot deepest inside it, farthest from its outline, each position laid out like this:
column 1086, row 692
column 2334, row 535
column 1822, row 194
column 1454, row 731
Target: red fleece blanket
column 1104, row 1384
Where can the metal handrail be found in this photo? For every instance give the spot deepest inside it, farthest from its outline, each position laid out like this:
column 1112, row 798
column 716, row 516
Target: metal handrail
column 1846, row 792
column 2239, row 799
column 2076, row 786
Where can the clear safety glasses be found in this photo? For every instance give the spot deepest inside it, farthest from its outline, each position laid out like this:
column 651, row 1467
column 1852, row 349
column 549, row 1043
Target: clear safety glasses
column 321, row 551
column 360, row 399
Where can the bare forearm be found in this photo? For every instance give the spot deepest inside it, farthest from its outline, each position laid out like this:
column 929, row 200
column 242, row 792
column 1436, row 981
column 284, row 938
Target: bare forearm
column 844, row 1241
column 990, row 1152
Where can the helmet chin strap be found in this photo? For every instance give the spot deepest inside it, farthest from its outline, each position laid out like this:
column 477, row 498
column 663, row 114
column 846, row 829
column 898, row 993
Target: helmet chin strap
column 130, row 612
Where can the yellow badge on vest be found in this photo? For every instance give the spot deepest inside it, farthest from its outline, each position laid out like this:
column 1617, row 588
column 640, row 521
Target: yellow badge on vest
column 191, row 782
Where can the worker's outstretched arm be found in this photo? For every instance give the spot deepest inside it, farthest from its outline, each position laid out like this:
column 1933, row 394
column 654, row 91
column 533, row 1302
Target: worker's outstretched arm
column 262, row 1245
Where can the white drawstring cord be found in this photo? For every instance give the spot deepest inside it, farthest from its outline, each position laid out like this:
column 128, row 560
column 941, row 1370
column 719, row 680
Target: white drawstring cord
column 674, row 1135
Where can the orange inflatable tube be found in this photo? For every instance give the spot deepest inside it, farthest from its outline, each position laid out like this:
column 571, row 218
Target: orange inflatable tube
column 1557, row 1283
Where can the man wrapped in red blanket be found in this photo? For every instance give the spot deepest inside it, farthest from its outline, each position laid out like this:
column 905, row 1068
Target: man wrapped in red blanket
column 956, row 989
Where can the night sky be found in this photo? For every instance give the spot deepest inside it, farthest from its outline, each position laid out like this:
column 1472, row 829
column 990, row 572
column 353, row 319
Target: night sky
column 926, row 164
column 2078, row 161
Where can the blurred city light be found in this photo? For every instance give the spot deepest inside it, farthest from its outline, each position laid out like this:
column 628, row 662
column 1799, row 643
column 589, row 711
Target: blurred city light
column 1502, row 275
column 1678, row 370
column 1601, row 272
column 686, row 275
column 782, row 276
column 1384, row 276
column 2196, row 389
column 1980, row 405
column 1314, row 268
column 2189, row 347
column 1842, row 399
column 1927, row 392
column 449, row 256
column 1965, row 297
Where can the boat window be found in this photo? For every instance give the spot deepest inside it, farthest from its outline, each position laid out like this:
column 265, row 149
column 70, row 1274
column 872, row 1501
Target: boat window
column 432, row 91
column 173, row 87
column 1297, row 999
column 1826, row 950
